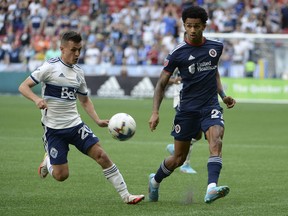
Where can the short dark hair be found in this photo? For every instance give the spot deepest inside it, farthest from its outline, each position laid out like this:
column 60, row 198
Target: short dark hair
column 195, row 12
column 71, row 36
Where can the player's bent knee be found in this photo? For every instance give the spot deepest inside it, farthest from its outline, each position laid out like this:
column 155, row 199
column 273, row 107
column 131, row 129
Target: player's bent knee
column 177, row 161
column 60, row 175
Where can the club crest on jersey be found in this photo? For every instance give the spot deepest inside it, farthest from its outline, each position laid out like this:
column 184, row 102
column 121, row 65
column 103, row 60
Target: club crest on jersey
column 53, row 152
column 78, row 79
column 212, row 53
column 177, row 128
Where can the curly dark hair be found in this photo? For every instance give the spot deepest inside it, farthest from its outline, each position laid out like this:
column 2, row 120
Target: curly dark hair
column 195, row 12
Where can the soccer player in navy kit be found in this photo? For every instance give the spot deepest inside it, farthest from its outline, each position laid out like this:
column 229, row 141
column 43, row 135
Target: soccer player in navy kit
column 199, row 110
column 62, row 83
column 175, row 80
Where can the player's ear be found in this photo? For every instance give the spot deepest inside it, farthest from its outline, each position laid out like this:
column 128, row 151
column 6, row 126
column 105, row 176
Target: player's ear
column 204, row 25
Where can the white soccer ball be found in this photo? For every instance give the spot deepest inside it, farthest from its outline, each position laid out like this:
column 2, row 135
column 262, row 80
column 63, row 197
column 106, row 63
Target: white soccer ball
column 122, row 126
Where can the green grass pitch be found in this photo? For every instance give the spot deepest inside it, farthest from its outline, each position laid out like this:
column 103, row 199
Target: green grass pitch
column 255, row 159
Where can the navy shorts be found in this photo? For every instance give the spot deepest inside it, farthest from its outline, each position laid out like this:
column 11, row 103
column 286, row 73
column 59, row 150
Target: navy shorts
column 56, row 141
column 188, row 124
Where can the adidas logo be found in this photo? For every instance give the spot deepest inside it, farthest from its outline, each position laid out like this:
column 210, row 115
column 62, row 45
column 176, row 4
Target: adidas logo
column 191, row 57
column 61, row 75
column 170, row 92
column 144, row 88
column 110, row 88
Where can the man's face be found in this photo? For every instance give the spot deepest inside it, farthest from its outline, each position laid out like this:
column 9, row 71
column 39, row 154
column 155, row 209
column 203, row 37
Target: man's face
column 70, row 52
column 194, row 29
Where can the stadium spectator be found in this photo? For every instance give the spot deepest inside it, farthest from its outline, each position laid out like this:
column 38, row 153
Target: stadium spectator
column 11, row 37
column 19, row 17
column 3, row 23
column 153, row 55
column 5, row 44
column 170, row 24
column 274, row 19
column 60, row 119
column 3, row 55
column 168, row 41
column 15, row 54
column 36, row 22
column 136, row 22
column 41, row 42
column 227, row 59
column 131, row 55
column 63, row 21
column 250, row 67
column 142, row 54
column 92, row 55
column 25, row 37
column 34, row 6
column 54, row 50
column 29, row 53
column 75, row 21
column 50, row 23
column 284, row 16
column 118, row 56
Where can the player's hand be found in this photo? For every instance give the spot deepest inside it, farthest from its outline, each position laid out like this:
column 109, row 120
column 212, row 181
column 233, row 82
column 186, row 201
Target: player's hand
column 41, row 103
column 103, row 123
column 154, row 120
column 229, row 101
column 178, row 80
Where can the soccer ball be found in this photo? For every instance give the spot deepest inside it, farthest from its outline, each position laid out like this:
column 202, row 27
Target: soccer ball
column 122, row 126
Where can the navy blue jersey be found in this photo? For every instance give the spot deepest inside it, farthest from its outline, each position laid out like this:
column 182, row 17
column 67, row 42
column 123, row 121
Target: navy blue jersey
column 198, row 66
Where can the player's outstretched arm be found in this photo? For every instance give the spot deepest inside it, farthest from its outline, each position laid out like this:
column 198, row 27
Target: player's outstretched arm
column 228, row 100
column 157, row 98
column 88, row 106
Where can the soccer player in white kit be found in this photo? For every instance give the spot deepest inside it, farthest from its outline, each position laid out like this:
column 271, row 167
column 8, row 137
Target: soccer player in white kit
column 62, row 83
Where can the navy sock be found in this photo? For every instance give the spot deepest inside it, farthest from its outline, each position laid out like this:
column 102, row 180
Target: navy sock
column 162, row 172
column 214, row 167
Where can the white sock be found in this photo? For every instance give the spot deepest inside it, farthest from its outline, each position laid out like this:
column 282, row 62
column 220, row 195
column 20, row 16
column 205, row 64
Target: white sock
column 211, row 185
column 49, row 166
column 154, row 183
column 113, row 175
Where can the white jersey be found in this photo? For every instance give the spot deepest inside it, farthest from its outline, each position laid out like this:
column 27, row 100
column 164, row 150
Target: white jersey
column 176, row 94
column 60, row 85
column 177, row 88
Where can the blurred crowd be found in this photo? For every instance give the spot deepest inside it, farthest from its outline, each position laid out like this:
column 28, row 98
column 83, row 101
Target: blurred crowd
column 140, row 32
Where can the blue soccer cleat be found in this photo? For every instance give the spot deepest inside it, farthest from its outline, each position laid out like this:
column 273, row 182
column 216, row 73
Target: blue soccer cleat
column 216, row 193
column 153, row 191
column 186, row 168
column 170, row 149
